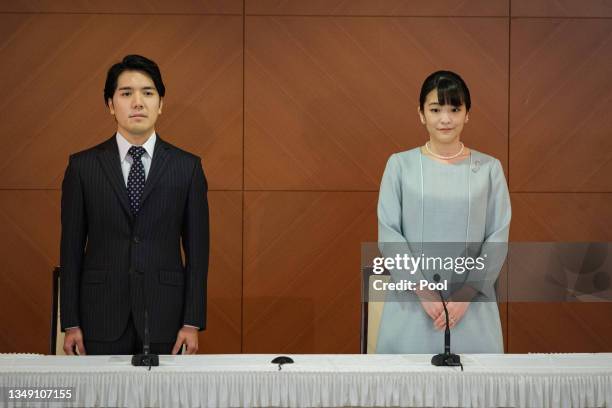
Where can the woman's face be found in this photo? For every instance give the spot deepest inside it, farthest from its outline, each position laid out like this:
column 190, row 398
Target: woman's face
column 444, row 123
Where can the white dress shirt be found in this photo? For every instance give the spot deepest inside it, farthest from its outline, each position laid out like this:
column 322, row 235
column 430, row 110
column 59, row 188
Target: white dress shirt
column 126, row 159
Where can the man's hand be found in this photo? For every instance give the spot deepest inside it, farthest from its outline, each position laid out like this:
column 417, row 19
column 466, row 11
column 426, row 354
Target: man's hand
column 74, row 337
column 456, row 310
column 189, row 337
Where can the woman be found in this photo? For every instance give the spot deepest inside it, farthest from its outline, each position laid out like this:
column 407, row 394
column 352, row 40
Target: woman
column 444, row 192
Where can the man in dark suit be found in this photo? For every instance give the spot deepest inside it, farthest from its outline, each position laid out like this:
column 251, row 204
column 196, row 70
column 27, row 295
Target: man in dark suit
column 127, row 204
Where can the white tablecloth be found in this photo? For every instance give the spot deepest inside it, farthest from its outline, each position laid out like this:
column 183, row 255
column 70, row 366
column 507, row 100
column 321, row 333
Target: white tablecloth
column 536, row 380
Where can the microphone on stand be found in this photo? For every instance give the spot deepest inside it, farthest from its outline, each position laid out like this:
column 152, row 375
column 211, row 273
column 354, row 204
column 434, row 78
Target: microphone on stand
column 447, row 358
column 145, row 359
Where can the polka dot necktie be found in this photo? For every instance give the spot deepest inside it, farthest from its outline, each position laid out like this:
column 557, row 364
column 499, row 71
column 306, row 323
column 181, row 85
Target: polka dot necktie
column 136, row 178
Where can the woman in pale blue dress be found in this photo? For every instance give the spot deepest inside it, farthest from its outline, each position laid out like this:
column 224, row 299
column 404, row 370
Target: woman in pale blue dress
column 443, row 192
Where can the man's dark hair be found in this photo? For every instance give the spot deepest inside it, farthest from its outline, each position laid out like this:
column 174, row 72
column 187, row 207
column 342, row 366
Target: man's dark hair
column 451, row 89
column 133, row 63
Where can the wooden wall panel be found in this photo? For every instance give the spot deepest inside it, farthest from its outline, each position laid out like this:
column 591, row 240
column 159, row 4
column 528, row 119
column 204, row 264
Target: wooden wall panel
column 379, row 7
column 118, row 6
column 321, row 92
column 561, row 217
column 302, row 270
column 53, row 69
column 29, row 249
column 561, row 8
column 560, row 93
column 224, row 316
column 329, row 99
column 559, row 326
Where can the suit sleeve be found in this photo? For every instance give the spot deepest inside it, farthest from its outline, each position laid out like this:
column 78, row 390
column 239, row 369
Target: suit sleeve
column 195, row 237
column 72, row 245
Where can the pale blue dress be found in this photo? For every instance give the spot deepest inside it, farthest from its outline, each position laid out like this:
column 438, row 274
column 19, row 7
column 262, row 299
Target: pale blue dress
column 424, row 201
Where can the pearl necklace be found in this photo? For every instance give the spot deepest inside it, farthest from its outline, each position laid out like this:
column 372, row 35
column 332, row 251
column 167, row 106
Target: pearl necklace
column 444, row 157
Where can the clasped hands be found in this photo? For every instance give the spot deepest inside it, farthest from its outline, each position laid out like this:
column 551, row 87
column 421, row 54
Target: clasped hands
column 435, row 310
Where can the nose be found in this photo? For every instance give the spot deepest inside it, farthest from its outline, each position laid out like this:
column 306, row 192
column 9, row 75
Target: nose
column 137, row 100
column 445, row 118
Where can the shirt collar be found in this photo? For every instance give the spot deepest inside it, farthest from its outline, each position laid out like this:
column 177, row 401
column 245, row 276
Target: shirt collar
column 124, row 145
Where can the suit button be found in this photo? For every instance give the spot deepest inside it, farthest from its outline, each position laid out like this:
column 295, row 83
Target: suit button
column 136, row 240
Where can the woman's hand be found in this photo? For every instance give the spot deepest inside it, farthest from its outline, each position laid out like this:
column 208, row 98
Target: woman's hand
column 433, row 309
column 456, row 310
column 431, row 303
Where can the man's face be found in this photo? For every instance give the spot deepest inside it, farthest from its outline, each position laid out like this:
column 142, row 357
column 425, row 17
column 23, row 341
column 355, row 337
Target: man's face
column 135, row 104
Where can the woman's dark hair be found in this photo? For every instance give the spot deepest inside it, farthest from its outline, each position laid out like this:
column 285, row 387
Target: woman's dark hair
column 133, row 63
column 451, row 89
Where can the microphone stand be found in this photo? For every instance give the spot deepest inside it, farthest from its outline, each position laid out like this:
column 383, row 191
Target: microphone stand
column 446, row 359
column 146, row 359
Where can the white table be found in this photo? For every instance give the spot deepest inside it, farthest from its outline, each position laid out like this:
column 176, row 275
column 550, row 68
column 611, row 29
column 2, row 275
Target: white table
column 535, row 380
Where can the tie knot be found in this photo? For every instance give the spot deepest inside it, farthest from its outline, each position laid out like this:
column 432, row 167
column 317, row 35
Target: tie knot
column 136, row 152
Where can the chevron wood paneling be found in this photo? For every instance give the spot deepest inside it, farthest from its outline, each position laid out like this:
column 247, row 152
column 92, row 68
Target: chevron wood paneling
column 379, row 7
column 53, row 69
column 560, row 93
column 561, row 217
column 561, row 8
column 327, row 100
column 302, row 270
column 559, row 326
column 321, row 92
column 29, row 249
column 118, row 7
column 224, row 333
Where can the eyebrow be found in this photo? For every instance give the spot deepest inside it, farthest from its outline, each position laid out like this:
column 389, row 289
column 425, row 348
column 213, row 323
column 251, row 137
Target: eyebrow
column 130, row 88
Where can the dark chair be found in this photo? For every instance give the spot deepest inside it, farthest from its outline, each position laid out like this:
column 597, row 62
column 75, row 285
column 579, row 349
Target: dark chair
column 56, row 340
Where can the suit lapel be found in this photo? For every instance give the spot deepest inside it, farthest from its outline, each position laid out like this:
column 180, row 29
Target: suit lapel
column 158, row 165
column 109, row 158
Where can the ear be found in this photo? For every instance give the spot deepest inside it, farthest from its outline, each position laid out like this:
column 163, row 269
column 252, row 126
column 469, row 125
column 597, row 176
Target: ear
column 467, row 117
column 111, row 108
column 161, row 104
column 421, row 115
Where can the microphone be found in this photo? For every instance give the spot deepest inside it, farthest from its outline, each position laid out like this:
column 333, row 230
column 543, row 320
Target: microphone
column 447, row 358
column 145, row 359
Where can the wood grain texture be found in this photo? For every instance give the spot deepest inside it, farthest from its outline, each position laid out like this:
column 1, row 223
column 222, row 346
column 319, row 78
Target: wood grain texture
column 557, row 326
column 378, row 7
column 29, row 249
column 561, row 8
column 54, row 67
column 223, row 333
column 553, row 217
column 302, row 270
column 329, row 99
column 560, row 93
column 118, row 7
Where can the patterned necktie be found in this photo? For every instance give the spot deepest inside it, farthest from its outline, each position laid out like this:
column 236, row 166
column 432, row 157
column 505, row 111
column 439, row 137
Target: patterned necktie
column 136, row 178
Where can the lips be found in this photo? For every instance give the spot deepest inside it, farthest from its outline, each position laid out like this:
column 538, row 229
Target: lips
column 139, row 115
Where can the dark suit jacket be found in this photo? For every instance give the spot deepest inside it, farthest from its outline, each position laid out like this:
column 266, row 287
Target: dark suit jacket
column 113, row 263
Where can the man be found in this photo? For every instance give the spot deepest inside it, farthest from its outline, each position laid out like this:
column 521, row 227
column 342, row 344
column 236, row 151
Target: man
column 126, row 206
